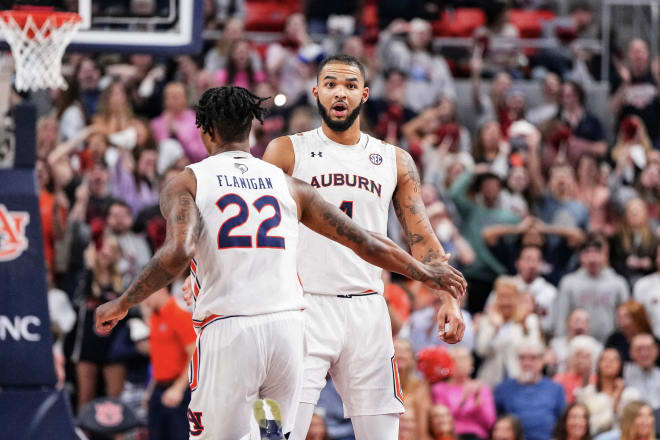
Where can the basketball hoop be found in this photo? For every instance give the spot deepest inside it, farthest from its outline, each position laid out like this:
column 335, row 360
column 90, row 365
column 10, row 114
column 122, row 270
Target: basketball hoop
column 38, row 38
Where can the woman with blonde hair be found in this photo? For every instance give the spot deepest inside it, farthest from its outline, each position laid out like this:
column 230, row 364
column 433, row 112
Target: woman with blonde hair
column 632, row 147
column 637, row 422
column 506, row 322
column 101, row 282
column 416, row 393
column 634, row 245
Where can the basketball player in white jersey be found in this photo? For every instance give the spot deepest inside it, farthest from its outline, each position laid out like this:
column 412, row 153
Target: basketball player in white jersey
column 348, row 328
column 234, row 219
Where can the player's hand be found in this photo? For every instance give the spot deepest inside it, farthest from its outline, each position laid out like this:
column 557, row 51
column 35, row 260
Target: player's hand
column 187, row 291
column 108, row 315
column 172, row 396
column 445, row 277
column 451, row 325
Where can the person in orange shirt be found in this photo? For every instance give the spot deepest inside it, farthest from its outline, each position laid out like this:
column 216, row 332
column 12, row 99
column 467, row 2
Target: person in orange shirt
column 172, row 342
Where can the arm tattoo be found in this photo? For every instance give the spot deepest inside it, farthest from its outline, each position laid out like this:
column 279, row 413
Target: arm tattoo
column 153, row 277
column 412, row 238
column 413, row 174
column 415, row 274
column 343, row 227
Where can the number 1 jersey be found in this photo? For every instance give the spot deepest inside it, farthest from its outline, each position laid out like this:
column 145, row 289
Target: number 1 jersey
column 360, row 180
column 245, row 259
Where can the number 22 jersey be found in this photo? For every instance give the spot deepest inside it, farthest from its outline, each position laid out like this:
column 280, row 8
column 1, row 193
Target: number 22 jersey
column 360, row 180
column 245, row 259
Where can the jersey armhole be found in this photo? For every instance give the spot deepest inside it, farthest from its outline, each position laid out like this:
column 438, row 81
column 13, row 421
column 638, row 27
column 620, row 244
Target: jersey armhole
column 296, row 149
column 395, row 166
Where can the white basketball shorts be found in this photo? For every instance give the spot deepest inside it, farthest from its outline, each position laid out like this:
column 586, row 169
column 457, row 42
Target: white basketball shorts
column 351, row 338
column 241, row 359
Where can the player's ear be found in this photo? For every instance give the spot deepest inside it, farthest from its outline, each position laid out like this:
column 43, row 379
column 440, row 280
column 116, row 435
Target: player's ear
column 315, row 92
column 365, row 94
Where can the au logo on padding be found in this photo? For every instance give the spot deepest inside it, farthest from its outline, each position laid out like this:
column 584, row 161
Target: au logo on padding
column 13, row 240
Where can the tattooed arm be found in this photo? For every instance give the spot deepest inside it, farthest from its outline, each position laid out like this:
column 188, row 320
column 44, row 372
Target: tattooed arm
column 329, row 221
column 177, row 204
column 424, row 245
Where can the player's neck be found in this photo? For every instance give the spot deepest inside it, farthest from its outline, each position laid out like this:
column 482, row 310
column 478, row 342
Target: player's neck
column 231, row 146
column 348, row 137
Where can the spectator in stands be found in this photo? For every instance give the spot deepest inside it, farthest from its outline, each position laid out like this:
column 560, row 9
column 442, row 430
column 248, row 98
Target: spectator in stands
column 88, row 76
column 53, row 207
column 134, row 248
column 428, row 74
column 631, row 150
column 507, row 428
column 421, row 328
column 100, row 283
column 317, row 430
column 317, row 13
column 505, row 55
column 551, row 90
column 506, row 323
column 283, row 63
column 513, row 396
column 217, row 57
column 637, row 422
column 178, row 122
column 388, row 114
column 171, row 345
column 416, row 391
column 448, row 234
column 478, row 211
column 226, row 10
column 635, row 89
column 47, row 136
column 564, row 30
column 134, row 178
column 114, row 113
column 516, row 197
column 594, row 194
column 487, row 106
column 557, row 205
column 529, row 280
column 583, row 352
column 240, row 71
column 631, row 320
column 441, row 423
column 576, row 325
column 642, row 373
column 490, row 147
column 603, row 398
column 595, row 287
column 470, row 401
column 587, row 134
column 573, row 424
column 634, row 245
column 647, row 292
column 407, row 425
column 69, row 110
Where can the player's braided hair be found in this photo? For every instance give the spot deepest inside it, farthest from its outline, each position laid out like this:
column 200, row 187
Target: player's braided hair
column 228, row 111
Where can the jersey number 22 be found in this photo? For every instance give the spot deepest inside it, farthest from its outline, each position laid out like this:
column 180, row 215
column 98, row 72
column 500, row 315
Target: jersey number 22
column 228, row 241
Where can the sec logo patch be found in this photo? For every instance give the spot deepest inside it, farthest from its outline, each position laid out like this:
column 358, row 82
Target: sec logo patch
column 376, row 158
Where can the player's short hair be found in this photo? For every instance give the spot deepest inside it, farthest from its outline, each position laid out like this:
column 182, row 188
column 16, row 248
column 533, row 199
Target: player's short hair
column 342, row 58
column 228, row 112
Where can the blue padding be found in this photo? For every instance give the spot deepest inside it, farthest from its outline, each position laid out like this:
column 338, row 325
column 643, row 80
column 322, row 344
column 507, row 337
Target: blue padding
column 35, row 415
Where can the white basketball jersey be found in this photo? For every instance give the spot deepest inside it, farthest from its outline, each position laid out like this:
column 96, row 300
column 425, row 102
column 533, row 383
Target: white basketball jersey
column 245, row 260
column 359, row 179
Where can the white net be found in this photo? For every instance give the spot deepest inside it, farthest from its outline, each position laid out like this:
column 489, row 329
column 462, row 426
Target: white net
column 38, row 50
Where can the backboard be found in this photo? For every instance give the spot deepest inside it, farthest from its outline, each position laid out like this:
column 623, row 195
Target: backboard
column 133, row 26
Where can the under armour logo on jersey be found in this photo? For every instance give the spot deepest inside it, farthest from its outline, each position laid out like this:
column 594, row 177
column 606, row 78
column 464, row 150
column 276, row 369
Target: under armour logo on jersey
column 319, row 154
column 241, row 167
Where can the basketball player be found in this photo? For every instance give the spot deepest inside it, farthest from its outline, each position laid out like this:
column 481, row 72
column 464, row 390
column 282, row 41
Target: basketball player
column 348, row 329
column 234, row 219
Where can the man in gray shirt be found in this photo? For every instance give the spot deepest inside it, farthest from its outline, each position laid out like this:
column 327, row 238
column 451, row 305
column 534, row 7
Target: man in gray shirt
column 593, row 287
column 642, row 373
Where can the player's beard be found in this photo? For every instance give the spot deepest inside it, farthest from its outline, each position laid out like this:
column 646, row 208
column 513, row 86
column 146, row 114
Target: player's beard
column 335, row 125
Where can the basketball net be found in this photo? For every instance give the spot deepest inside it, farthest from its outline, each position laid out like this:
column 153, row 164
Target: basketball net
column 38, row 40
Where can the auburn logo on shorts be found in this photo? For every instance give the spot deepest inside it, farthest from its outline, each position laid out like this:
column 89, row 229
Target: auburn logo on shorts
column 195, row 420
column 12, row 233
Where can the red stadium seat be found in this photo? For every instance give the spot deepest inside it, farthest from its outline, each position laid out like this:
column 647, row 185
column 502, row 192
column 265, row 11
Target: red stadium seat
column 529, row 23
column 459, row 23
column 269, row 16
